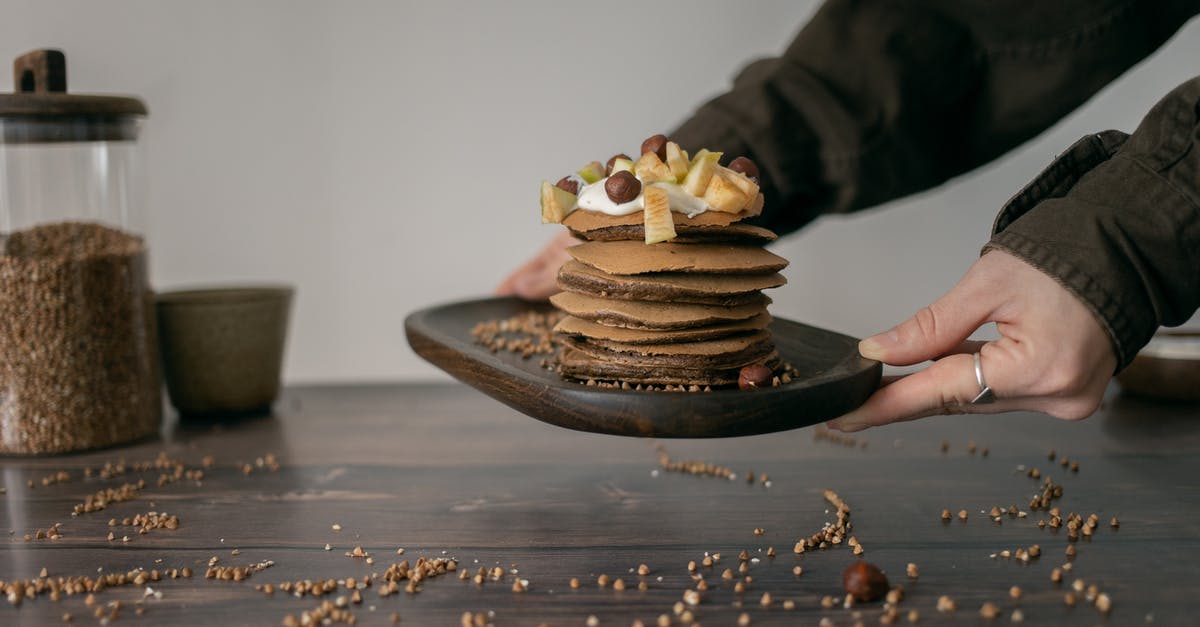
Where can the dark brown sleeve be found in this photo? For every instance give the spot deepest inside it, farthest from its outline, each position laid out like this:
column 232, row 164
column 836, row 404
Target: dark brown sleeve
column 876, row 99
column 1116, row 220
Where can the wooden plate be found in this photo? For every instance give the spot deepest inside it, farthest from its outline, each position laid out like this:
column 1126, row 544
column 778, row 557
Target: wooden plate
column 834, row 379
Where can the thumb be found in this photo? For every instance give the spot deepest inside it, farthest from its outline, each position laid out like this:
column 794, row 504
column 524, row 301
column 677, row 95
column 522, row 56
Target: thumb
column 934, row 331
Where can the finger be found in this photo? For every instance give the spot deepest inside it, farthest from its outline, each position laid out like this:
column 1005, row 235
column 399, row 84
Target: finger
column 934, row 331
column 536, row 279
column 946, row 386
column 968, row 347
column 508, row 287
column 539, row 284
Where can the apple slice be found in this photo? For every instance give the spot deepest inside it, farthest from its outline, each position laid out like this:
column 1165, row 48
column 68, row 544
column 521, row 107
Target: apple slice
column 621, row 164
column 698, row 176
column 592, row 172
column 677, row 160
column 743, row 182
column 659, row 225
column 556, row 203
column 650, row 169
column 723, row 195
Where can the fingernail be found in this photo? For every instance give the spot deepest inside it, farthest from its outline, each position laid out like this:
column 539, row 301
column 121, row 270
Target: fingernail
column 876, row 346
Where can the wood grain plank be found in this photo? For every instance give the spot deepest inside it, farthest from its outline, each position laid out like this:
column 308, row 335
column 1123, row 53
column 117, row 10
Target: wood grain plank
column 445, row 472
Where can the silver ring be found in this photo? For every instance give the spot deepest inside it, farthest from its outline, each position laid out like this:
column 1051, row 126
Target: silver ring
column 985, row 393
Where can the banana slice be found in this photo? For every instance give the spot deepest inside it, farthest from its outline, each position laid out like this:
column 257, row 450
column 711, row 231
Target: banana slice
column 723, row 195
column 677, row 160
column 743, row 182
column 659, row 224
column 650, row 169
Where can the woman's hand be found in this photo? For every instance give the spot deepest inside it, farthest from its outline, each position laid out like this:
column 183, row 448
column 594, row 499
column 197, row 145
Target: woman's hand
column 1052, row 355
column 537, row 278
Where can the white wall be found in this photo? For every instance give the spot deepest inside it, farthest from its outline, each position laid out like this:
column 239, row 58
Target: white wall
column 384, row 156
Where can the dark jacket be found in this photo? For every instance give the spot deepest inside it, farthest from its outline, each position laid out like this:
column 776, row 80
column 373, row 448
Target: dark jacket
column 876, row 99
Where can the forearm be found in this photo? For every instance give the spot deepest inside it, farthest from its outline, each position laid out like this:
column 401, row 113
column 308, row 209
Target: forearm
column 875, row 100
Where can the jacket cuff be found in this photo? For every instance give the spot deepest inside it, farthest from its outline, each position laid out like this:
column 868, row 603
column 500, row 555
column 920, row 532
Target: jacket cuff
column 1113, row 230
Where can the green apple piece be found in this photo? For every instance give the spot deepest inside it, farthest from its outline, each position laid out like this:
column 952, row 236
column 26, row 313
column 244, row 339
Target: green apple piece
column 677, row 160
column 556, row 203
column 592, row 172
column 701, row 172
column 622, row 165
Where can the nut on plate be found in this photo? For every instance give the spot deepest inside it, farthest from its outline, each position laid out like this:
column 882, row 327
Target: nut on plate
column 754, row 376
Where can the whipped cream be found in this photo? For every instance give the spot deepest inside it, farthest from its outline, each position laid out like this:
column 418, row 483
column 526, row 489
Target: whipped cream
column 593, row 197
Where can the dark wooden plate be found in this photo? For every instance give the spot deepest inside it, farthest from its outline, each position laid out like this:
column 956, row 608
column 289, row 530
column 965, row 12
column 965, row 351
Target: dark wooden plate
column 834, row 379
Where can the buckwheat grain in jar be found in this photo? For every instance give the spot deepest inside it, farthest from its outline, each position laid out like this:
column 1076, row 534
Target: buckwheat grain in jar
column 78, row 350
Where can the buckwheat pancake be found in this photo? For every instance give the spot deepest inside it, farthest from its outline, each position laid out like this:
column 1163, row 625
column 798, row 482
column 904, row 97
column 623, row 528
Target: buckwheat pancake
column 634, row 257
column 578, row 327
column 580, row 365
column 728, row 352
column 737, row 232
column 649, row 315
column 704, row 289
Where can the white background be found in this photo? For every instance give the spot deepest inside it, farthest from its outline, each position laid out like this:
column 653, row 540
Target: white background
column 385, row 156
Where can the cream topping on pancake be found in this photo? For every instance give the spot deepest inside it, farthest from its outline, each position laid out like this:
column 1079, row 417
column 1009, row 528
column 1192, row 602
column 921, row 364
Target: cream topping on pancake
column 593, row 197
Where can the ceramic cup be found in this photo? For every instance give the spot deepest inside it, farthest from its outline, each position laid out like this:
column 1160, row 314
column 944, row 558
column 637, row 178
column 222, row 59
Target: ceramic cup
column 222, row 347
column 1168, row 368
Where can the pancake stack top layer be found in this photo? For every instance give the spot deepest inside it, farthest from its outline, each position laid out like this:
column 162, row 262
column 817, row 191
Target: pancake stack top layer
column 667, row 288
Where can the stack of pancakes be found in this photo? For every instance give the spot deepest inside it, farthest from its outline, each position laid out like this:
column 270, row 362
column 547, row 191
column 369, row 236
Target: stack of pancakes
column 686, row 312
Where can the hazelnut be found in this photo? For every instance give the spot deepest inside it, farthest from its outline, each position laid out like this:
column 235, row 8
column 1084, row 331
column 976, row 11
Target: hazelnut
column 745, row 166
column 754, row 376
column 622, row 187
column 567, row 184
column 656, row 144
column 864, row 581
column 608, row 166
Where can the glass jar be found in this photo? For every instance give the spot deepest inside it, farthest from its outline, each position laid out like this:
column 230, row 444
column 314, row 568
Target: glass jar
column 78, row 349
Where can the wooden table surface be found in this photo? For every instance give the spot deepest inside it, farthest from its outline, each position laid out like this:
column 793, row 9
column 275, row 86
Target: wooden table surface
column 444, row 472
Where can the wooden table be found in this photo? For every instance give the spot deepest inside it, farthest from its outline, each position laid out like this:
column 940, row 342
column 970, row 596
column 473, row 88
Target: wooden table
column 444, row 472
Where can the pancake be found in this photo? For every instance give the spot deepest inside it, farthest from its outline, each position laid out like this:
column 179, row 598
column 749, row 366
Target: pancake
column 705, row 289
column 723, row 353
column 733, row 233
column 578, row 365
column 633, row 257
column 634, row 314
column 578, row 327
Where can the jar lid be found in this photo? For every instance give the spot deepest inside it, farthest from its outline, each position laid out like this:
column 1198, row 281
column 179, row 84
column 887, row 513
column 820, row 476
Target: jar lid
column 40, row 99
